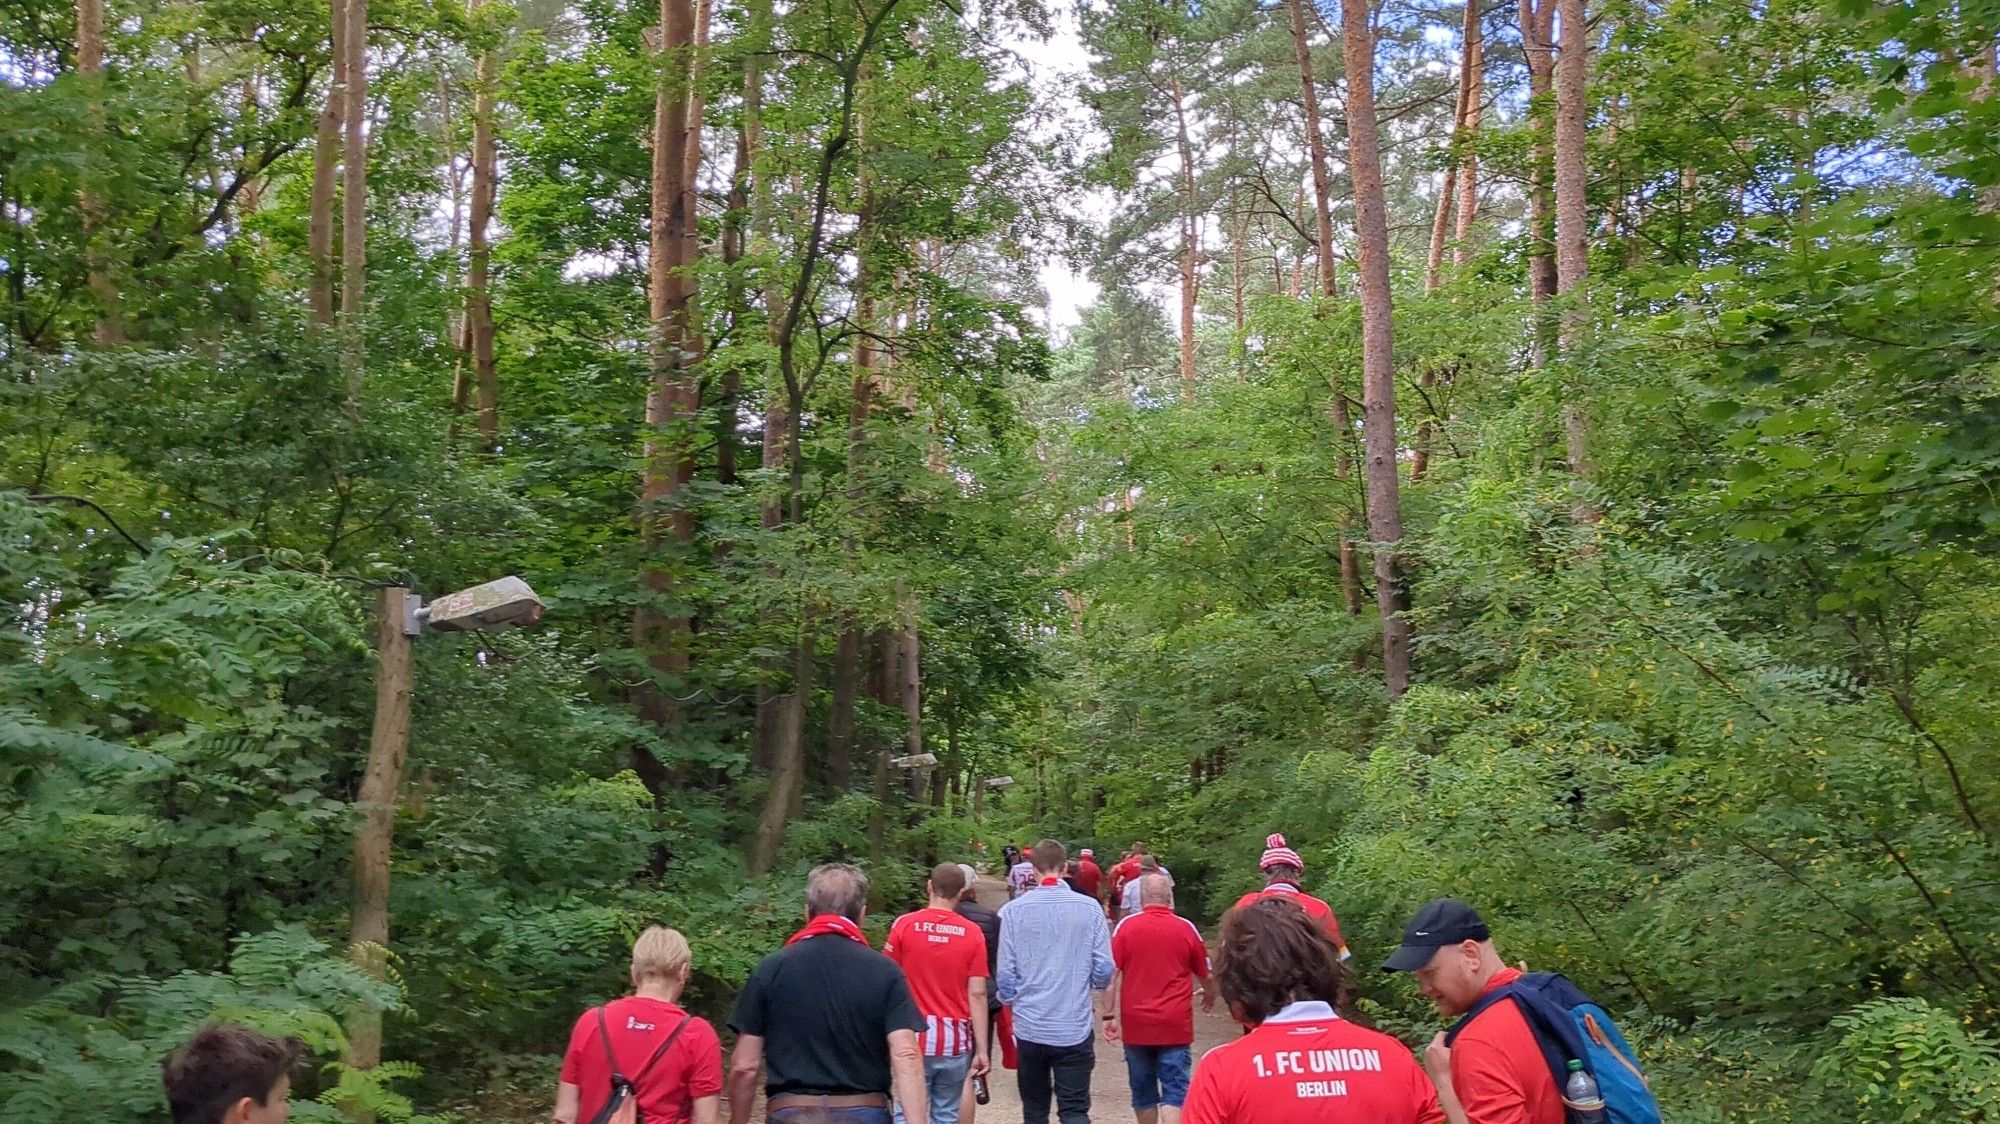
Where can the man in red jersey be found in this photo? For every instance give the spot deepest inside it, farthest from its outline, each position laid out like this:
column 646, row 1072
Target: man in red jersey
column 1089, row 876
column 1300, row 1062
column 1159, row 955
column 944, row 957
column 1124, row 871
column 1283, row 869
column 1494, row 1069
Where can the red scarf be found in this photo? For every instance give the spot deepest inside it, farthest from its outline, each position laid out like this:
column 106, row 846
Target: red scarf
column 1051, row 881
column 827, row 923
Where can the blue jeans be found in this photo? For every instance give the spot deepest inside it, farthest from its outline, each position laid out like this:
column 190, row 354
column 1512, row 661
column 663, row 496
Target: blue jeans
column 1158, row 1074
column 944, row 1079
column 808, row 1115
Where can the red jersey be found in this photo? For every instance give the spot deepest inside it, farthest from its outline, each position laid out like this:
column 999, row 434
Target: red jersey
column 939, row 952
column 1089, row 877
column 1159, row 953
column 1497, row 1066
column 1306, row 1065
column 691, row 1067
column 1316, row 909
column 1122, row 873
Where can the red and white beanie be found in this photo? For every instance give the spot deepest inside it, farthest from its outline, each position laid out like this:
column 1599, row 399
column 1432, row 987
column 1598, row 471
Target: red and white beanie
column 1277, row 854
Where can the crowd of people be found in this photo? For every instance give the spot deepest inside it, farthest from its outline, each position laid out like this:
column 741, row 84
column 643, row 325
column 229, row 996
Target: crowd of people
column 839, row 1033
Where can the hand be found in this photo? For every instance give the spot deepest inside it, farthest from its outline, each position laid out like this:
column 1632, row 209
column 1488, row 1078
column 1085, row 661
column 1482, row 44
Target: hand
column 1207, row 1002
column 1111, row 1029
column 981, row 1064
column 1437, row 1059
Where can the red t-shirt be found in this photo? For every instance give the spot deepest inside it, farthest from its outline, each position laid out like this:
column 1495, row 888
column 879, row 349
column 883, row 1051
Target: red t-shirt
column 1089, row 877
column 1122, row 873
column 1316, row 909
column 939, row 951
column 1497, row 1066
column 1305, row 1065
column 691, row 1067
column 1160, row 952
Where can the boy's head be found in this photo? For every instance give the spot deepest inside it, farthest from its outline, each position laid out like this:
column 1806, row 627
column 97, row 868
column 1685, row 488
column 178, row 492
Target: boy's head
column 231, row 1075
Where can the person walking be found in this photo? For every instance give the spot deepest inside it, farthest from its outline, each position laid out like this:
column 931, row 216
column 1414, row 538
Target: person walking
column 672, row 1059
column 989, row 926
column 228, row 1074
column 1122, row 872
column 1283, row 871
column 1148, row 865
column 1159, row 956
column 943, row 956
column 1089, row 876
column 828, row 1020
column 1054, row 949
column 1493, row 1071
column 1299, row 1062
column 1021, row 876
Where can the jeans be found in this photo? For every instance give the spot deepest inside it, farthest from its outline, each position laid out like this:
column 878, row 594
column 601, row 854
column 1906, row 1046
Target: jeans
column 944, row 1078
column 810, row 1115
column 1063, row 1069
column 1158, row 1074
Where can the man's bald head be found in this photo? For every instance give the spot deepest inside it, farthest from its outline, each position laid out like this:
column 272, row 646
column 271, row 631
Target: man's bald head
column 1156, row 889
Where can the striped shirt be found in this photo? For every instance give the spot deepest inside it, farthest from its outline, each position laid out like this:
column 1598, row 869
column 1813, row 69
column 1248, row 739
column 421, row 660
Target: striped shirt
column 1054, row 948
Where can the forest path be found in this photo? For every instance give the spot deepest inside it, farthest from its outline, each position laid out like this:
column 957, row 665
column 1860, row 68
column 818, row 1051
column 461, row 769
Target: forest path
column 1110, row 1097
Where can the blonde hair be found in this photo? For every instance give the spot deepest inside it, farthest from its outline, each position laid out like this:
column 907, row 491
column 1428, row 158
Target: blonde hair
column 660, row 953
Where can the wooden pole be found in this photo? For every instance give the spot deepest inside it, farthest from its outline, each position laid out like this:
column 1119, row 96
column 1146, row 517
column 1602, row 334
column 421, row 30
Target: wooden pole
column 375, row 824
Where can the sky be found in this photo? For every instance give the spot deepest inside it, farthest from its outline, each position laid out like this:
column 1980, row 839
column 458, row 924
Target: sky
column 1054, row 67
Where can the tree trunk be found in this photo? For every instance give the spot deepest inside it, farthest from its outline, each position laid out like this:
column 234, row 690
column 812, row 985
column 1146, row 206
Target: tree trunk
column 664, row 638
column 789, row 771
column 1472, row 76
column 326, row 164
column 1572, row 232
column 1385, row 516
column 1190, row 244
column 1465, row 172
column 354, row 199
column 90, row 68
column 840, row 717
column 1315, row 147
column 1537, row 22
column 375, row 822
column 478, row 285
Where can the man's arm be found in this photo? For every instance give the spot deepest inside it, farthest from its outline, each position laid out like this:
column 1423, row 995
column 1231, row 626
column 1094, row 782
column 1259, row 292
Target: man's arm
column 975, row 994
column 567, row 1096
column 707, row 1110
column 906, row 1072
column 744, row 1065
column 1101, row 965
column 1112, row 1029
column 1007, row 974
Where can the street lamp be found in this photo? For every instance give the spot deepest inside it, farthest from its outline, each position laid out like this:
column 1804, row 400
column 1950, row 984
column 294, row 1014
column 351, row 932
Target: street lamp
column 401, row 616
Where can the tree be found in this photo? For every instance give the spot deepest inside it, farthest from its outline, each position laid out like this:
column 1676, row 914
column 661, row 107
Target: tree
column 1371, row 230
column 1572, row 233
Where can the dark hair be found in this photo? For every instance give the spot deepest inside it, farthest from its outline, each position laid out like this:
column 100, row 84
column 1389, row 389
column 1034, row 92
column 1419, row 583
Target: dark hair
column 1274, row 955
column 947, row 881
column 1050, row 856
column 222, row 1064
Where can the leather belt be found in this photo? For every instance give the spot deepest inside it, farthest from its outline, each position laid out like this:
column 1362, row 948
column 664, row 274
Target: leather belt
column 827, row 1100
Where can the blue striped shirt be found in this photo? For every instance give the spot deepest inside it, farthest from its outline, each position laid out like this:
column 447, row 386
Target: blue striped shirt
column 1054, row 948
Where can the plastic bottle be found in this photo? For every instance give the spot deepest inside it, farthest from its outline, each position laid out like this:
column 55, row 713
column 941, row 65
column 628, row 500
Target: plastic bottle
column 1580, row 1091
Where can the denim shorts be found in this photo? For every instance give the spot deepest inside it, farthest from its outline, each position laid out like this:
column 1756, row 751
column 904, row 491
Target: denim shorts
column 1159, row 1075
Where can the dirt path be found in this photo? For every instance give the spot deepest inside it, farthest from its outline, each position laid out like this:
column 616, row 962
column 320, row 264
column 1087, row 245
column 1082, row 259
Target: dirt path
column 1110, row 1098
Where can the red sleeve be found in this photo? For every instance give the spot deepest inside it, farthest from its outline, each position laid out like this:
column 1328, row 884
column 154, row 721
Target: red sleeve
column 1483, row 1073
column 1121, row 947
column 579, row 1037
column 704, row 1073
column 890, row 947
column 1197, row 953
column 1207, row 1101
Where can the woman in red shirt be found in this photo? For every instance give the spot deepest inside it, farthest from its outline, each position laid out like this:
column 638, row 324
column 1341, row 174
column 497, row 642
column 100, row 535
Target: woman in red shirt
column 1299, row 1062
column 672, row 1059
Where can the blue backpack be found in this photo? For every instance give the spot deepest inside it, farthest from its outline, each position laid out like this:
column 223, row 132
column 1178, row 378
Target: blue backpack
column 1571, row 1027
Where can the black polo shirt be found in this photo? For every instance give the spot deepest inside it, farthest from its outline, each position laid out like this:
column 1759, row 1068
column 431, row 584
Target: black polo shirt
column 824, row 1008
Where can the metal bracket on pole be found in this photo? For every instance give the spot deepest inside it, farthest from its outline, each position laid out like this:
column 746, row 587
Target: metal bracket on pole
column 413, row 624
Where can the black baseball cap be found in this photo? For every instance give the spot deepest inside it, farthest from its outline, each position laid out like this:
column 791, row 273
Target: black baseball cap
column 1445, row 921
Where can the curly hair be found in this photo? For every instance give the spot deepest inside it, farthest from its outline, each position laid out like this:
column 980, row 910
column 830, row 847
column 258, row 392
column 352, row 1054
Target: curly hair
column 1274, row 955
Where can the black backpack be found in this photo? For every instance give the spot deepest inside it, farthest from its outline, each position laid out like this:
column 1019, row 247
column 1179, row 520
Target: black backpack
column 623, row 1107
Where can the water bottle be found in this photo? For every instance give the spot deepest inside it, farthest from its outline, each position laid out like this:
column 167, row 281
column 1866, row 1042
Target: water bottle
column 1586, row 1104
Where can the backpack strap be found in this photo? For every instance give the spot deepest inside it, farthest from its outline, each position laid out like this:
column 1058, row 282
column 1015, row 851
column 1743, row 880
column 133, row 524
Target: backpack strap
column 657, row 1054
column 604, row 1036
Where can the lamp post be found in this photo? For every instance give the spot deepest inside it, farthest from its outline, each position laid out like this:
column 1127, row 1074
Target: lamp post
column 401, row 616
